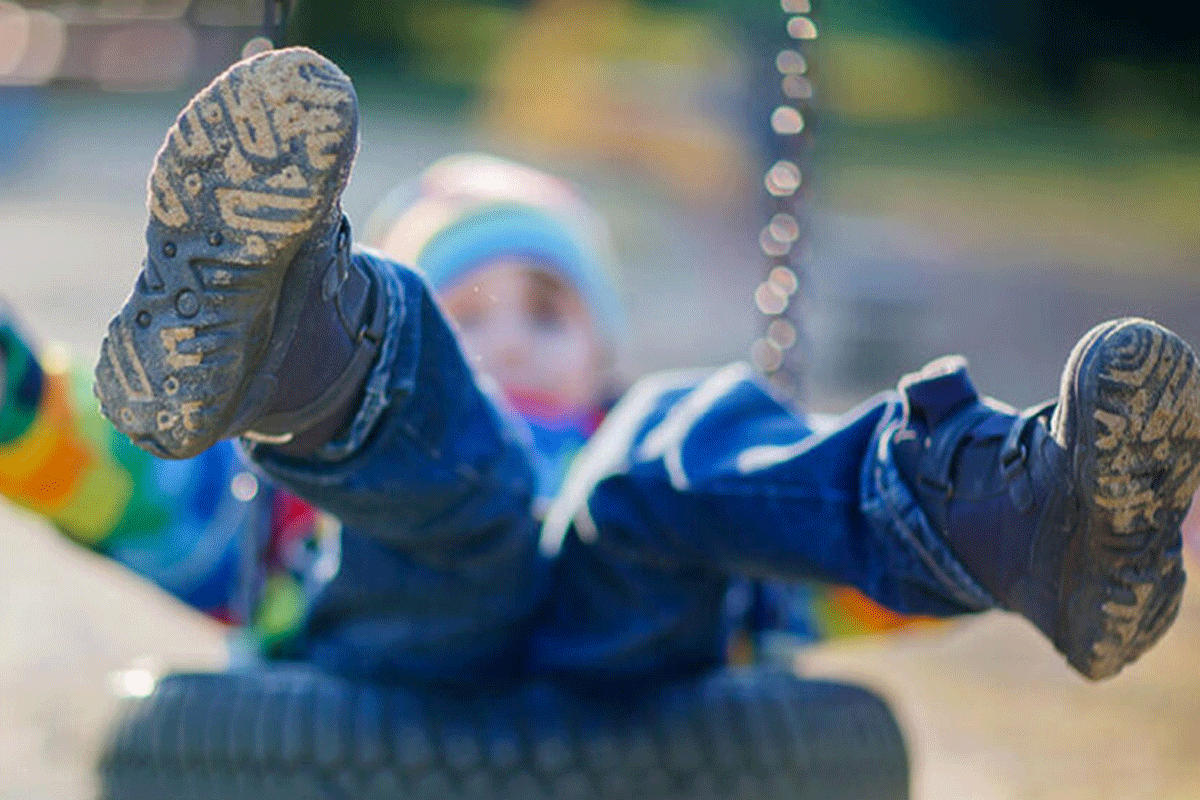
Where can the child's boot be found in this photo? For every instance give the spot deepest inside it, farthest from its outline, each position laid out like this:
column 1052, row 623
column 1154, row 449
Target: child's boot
column 1068, row 513
column 249, row 316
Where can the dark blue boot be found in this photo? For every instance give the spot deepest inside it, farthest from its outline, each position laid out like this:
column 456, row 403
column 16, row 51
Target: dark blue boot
column 1068, row 513
column 249, row 316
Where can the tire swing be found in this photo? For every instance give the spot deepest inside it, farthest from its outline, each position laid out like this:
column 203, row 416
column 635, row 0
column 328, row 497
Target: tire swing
column 288, row 732
column 283, row 733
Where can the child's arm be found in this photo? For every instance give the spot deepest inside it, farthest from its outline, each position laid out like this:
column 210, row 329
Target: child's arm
column 55, row 459
column 175, row 524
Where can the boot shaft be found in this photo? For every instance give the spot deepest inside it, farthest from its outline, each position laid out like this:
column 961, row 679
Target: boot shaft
column 1068, row 512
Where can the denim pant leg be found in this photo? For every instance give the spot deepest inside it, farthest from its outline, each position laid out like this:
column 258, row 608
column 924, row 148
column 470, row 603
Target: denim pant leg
column 439, row 573
column 690, row 482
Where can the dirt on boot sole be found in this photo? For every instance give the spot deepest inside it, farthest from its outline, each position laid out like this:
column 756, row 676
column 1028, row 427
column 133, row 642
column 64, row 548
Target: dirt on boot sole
column 249, row 175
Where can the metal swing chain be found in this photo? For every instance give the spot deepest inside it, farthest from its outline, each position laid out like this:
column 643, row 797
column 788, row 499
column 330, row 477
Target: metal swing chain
column 785, row 239
column 275, row 17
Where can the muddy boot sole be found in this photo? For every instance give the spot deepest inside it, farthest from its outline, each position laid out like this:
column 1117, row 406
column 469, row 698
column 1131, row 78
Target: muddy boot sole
column 1130, row 423
column 246, row 184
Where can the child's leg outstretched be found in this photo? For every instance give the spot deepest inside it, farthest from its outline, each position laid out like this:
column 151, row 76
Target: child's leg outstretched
column 1071, row 513
column 931, row 501
column 253, row 317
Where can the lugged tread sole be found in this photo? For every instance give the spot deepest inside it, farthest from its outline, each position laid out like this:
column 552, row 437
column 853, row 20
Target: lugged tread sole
column 250, row 173
column 1137, row 462
column 295, row 733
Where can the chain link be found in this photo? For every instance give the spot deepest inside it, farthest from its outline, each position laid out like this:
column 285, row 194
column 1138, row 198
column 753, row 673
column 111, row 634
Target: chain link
column 275, row 17
column 784, row 240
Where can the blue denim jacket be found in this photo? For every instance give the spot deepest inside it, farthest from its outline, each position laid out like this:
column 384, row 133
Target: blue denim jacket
column 693, row 481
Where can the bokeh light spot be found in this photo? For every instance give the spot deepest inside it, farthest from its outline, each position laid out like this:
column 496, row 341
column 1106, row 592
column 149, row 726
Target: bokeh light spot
column 797, row 87
column 145, row 57
column 244, row 486
column 771, row 246
column 802, row 28
column 782, row 333
column 783, row 179
column 32, row 44
column 769, row 299
column 784, row 228
column 790, row 62
column 14, row 36
column 785, row 280
column 786, row 121
column 259, row 44
column 132, row 683
column 766, row 355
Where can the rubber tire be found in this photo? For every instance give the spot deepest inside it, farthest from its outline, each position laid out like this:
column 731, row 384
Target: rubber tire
column 294, row 734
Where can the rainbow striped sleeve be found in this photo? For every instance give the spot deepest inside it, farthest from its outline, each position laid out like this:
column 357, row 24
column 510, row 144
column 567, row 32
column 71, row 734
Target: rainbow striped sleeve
column 48, row 461
column 841, row 612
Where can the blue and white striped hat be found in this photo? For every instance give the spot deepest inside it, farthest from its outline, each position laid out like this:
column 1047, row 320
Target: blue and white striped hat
column 469, row 210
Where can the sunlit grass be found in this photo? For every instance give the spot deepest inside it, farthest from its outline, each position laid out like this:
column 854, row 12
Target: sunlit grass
column 984, row 161
column 1139, row 217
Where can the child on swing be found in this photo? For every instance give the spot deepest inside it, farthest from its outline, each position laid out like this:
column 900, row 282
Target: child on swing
column 256, row 318
column 542, row 321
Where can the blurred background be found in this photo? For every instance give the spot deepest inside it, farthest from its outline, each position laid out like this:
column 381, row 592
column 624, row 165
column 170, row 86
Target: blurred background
column 849, row 190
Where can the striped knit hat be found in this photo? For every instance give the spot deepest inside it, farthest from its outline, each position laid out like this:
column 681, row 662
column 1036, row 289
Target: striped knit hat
column 466, row 211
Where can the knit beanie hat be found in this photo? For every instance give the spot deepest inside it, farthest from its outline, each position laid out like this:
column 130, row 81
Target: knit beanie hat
column 470, row 210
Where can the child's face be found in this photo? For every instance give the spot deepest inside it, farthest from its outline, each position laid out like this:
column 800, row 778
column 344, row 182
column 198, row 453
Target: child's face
column 530, row 331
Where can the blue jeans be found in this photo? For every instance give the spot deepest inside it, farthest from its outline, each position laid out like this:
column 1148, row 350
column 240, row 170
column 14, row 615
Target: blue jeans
column 693, row 482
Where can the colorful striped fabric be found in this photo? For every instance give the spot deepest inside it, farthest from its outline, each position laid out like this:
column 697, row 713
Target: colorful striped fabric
column 840, row 612
column 49, row 460
column 782, row 616
column 203, row 529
